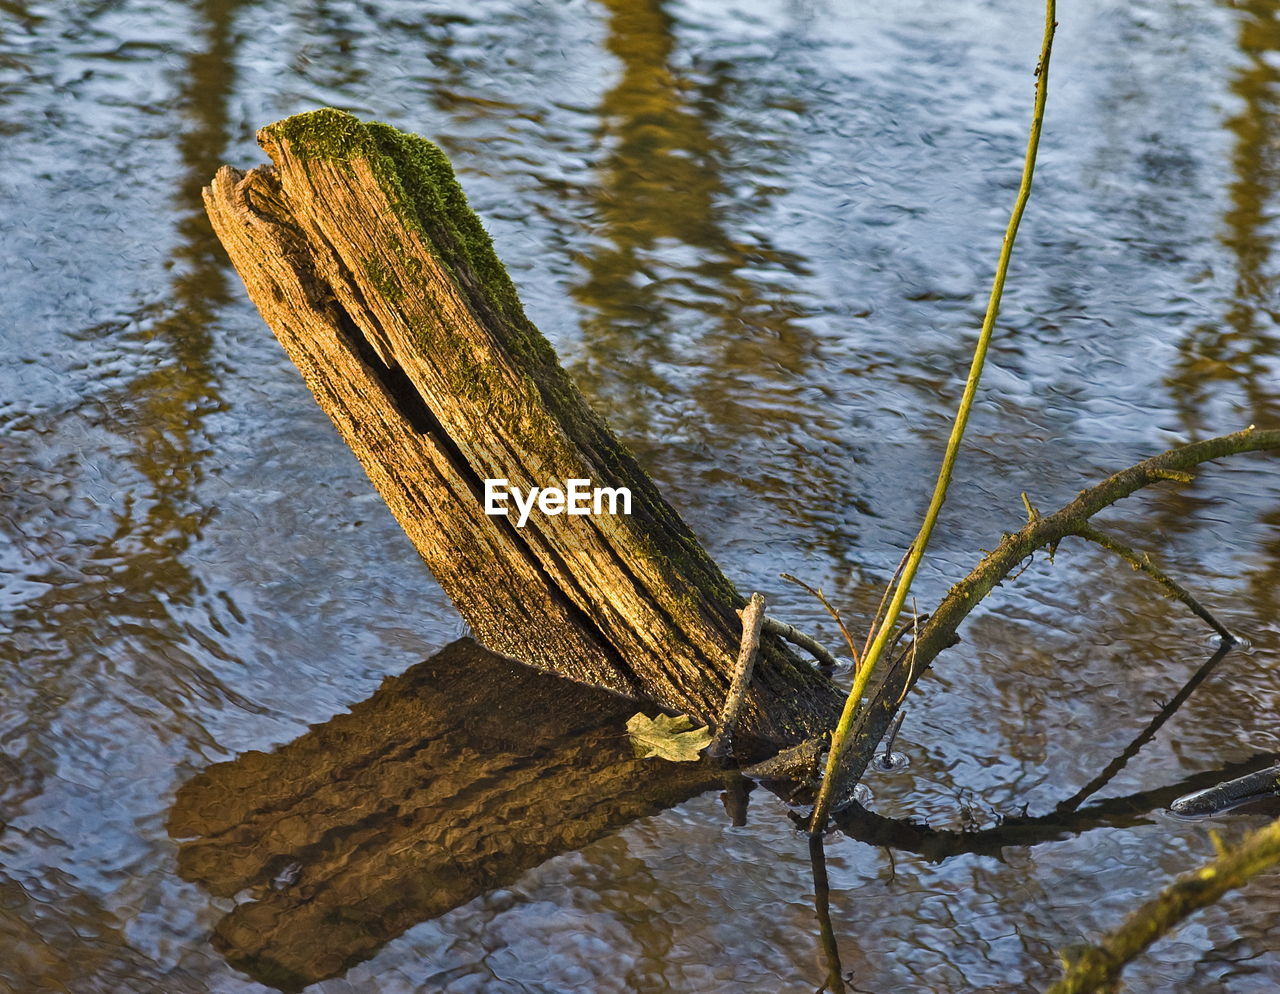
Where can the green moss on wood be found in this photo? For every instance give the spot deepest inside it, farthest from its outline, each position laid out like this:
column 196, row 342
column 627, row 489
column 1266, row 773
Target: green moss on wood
column 420, row 185
column 326, row 134
column 430, row 199
column 383, row 279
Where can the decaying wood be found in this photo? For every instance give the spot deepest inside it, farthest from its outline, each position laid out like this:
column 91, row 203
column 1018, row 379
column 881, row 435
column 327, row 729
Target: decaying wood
column 752, row 621
column 452, row 780
column 362, row 255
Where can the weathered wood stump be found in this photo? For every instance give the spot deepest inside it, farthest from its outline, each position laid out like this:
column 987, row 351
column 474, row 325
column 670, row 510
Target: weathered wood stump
column 361, row 253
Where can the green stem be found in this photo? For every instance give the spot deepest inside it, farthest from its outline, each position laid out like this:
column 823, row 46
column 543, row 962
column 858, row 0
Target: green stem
column 840, row 737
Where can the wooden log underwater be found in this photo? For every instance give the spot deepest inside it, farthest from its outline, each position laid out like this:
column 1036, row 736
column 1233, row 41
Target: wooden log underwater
column 451, row 781
column 360, row 251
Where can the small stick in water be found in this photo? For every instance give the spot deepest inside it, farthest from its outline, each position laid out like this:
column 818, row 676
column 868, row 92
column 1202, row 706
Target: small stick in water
column 752, row 622
column 1144, row 564
column 888, row 761
column 826, row 661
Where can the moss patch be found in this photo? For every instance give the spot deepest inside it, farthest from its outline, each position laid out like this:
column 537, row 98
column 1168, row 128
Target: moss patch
column 427, row 196
column 420, row 185
column 328, row 134
column 383, row 279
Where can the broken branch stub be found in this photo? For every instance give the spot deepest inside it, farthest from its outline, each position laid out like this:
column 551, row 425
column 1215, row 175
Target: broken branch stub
column 360, row 251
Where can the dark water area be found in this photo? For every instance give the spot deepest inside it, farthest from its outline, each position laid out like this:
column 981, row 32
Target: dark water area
column 760, row 234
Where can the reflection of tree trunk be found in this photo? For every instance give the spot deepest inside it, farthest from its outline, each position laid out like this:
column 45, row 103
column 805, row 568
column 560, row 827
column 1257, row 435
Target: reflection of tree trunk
column 113, row 601
column 680, row 275
column 360, row 251
column 451, row 780
column 1243, row 351
column 658, row 183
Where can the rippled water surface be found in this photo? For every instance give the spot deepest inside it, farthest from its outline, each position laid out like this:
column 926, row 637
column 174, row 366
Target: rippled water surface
column 760, row 235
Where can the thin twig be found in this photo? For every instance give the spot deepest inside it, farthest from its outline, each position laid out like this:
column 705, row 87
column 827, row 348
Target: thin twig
column 822, row 599
column 893, row 731
column 841, row 735
column 807, row 642
column 1144, row 564
column 884, row 599
column 897, row 677
column 915, row 635
column 752, row 621
column 908, row 626
column 1032, row 511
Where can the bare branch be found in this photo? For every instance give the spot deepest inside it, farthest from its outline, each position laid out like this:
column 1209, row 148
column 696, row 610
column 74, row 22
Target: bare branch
column 884, row 598
column 822, row 599
column 1144, row 564
column 896, row 678
column 752, row 621
column 1100, row 966
column 796, row 637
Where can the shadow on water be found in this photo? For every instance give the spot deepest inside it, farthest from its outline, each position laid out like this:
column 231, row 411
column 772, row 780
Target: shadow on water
column 452, row 780
column 1070, row 816
column 469, row 769
column 1126, row 811
column 1240, row 352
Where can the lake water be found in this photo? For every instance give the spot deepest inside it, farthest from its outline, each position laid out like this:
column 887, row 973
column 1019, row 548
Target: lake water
column 760, row 234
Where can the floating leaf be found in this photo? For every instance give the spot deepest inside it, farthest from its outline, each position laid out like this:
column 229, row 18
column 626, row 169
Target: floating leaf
column 674, row 739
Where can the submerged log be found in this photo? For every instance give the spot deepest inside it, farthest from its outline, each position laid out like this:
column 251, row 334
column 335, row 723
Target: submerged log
column 452, row 780
column 1262, row 785
column 361, row 253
